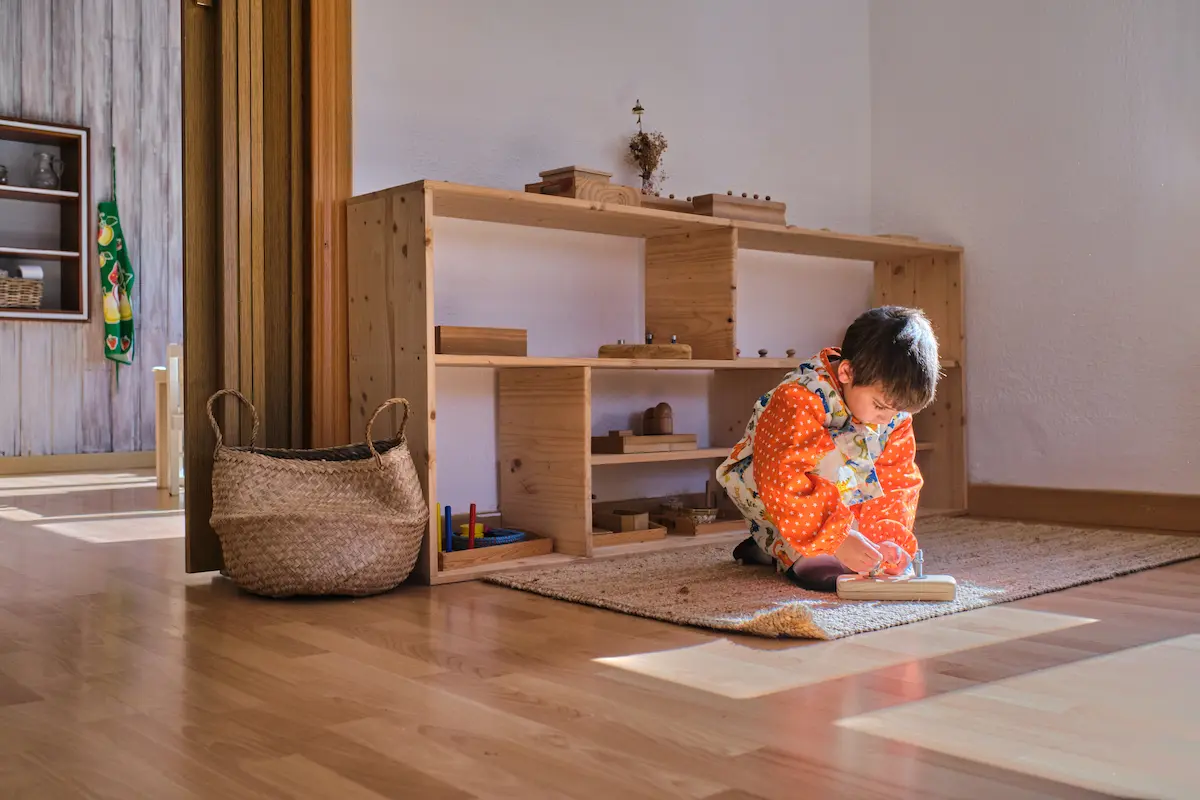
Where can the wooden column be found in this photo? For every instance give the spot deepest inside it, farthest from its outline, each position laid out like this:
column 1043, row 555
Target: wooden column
column 246, row 251
column 329, row 86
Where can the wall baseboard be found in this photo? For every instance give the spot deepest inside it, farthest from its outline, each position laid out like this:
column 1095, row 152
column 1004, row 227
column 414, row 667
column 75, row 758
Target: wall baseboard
column 1178, row 513
column 76, row 462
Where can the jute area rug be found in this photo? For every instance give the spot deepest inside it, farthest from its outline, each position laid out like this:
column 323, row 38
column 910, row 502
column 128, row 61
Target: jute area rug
column 993, row 562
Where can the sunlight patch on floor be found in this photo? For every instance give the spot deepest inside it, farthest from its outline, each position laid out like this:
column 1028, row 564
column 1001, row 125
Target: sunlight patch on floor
column 1125, row 723
column 121, row 527
column 728, row 668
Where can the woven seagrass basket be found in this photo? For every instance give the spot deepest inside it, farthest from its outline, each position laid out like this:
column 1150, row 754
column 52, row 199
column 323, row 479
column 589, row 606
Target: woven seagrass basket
column 20, row 293
column 339, row 521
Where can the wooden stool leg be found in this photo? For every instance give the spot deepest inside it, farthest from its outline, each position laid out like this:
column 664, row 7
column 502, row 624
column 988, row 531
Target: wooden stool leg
column 162, row 425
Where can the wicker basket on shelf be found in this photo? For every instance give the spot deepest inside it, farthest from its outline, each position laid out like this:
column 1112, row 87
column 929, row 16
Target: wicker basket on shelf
column 20, row 293
column 339, row 521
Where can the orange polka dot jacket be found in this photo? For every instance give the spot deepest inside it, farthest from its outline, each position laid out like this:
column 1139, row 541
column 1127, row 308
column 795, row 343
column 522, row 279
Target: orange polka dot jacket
column 806, row 472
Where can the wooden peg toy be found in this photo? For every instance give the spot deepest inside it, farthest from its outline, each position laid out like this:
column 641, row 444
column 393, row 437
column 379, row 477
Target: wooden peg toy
column 914, row 586
column 791, row 352
column 762, row 353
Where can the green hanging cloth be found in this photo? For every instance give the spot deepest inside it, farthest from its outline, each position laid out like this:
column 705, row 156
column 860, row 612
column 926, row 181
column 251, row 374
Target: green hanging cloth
column 116, row 280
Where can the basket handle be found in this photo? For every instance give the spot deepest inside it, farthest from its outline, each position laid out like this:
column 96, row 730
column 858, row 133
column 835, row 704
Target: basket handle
column 395, row 401
column 217, row 428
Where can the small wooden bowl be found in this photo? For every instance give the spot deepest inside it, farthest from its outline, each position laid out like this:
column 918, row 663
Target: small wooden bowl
column 702, row 516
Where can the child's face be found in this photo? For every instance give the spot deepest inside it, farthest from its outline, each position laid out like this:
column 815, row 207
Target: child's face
column 867, row 403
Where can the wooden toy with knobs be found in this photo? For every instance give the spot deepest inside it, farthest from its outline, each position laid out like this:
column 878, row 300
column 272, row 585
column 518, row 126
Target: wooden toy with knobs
column 915, row 585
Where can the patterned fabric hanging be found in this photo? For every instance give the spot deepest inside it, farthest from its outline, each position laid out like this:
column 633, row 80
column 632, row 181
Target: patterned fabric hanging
column 116, row 280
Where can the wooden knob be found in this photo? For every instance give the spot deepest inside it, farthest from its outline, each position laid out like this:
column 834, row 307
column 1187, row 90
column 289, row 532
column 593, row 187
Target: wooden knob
column 791, row 352
column 670, row 197
column 743, row 194
column 730, row 192
column 768, row 197
column 755, row 197
column 762, row 353
column 689, row 199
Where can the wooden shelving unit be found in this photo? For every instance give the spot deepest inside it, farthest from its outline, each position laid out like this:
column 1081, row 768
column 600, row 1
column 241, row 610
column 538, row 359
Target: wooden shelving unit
column 544, row 402
column 64, row 237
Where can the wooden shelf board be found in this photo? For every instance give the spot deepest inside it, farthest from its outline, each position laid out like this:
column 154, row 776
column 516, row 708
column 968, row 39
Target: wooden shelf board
column 39, row 195
column 604, row 459
column 671, row 542
column 830, row 244
column 479, row 570
column 443, row 360
column 509, row 207
column 921, row 446
column 27, row 252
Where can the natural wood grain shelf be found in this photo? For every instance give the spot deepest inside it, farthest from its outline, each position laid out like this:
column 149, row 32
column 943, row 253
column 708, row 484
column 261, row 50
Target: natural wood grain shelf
column 543, row 211
column 616, row 363
column 36, row 195
column 33, row 252
column 700, row 454
column 544, row 403
column 443, row 360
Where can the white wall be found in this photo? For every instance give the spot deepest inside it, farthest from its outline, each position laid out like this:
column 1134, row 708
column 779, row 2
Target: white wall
column 1059, row 142
column 770, row 97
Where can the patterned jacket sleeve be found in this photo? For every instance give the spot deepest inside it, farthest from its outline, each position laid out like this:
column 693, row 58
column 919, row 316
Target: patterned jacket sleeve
column 890, row 518
column 790, row 441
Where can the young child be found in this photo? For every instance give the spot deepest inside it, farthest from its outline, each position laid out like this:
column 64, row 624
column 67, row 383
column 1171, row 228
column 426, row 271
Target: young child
column 826, row 472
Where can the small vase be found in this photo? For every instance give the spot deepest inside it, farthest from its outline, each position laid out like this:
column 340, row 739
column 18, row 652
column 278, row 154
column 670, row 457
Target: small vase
column 47, row 170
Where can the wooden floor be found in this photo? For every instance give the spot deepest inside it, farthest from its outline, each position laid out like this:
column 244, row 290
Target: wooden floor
column 120, row 677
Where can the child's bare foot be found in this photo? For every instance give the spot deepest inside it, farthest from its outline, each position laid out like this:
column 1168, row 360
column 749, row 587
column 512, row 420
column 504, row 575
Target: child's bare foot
column 748, row 552
column 818, row 573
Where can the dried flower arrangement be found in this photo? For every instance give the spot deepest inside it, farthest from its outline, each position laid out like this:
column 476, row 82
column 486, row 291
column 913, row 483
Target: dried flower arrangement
column 645, row 152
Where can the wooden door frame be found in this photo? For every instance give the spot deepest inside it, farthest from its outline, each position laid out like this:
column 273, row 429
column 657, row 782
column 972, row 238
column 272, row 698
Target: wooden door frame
column 215, row 352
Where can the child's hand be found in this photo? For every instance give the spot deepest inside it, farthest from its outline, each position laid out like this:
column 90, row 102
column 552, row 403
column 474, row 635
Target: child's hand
column 858, row 553
column 895, row 558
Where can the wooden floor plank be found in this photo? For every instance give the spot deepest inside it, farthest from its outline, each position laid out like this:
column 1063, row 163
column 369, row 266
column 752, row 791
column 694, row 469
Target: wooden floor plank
column 121, row 676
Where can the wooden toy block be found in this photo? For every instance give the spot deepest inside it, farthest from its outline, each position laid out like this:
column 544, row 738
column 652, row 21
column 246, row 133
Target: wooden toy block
column 466, row 341
column 621, row 520
column 625, row 442
column 668, row 204
column 902, row 587
column 678, row 351
column 584, row 184
column 602, row 537
column 750, row 209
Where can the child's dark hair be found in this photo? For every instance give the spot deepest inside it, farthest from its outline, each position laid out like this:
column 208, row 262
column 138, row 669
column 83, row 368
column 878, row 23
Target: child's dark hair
column 895, row 347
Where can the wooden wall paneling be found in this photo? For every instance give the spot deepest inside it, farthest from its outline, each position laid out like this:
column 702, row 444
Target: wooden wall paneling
column 10, row 332
column 97, row 376
column 257, row 211
column 37, row 338
column 732, row 394
column 391, row 297
column 300, row 254
column 691, row 290
column 66, row 341
column 231, row 219
column 245, row 200
column 329, row 114
column 127, row 106
column 275, row 286
column 545, row 421
column 204, row 262
column 153, row 265
column 174, row 159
